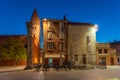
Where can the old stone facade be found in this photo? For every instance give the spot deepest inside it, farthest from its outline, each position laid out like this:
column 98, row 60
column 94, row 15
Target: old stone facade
column 33, row 35
column 66, row 41
column 81, row 43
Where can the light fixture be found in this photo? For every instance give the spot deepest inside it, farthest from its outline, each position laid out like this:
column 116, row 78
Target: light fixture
column 45, row 19
column 96, row 27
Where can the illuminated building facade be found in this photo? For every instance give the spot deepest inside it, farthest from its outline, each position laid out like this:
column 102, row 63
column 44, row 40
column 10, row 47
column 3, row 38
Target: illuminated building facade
column 55, row 41
column 81, row 43
column 105, row 55
column 33, row 35
column 63, row 41
column 66, row 41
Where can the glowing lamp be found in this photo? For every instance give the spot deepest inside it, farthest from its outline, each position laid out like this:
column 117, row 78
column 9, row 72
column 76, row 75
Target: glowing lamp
column 96, row 27
column 45, row 19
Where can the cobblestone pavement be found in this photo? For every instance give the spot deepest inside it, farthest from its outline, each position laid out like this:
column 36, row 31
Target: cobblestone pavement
column 95, row 74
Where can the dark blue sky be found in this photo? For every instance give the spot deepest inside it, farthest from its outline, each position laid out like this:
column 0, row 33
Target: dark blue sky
column 105, row 13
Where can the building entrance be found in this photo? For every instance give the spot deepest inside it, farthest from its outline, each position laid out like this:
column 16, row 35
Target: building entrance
column 84, row 59
column 50, row 62
column 112, row 61
column 102, row 61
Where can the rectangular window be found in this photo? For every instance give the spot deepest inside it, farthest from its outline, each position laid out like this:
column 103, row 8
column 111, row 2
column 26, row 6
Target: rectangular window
column 100, row 51
column 105, row 51
column 61, row 46
column 50, row 45
column 76, row 57
column 61, row 35
column 87, row 39
column 49, row 25
column 61, row 25
column 50, row 35
column 61, row 30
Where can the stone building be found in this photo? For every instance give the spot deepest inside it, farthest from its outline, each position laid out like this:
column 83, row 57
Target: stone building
column 68, row 41
column 55, row 41
column 65, row 41
column 105, row 55
column 33, row 43
column 81, row 43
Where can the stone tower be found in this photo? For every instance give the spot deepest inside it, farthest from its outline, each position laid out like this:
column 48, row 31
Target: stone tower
column 33, row 34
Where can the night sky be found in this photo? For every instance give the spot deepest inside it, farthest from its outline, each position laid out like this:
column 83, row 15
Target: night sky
column 105, row 13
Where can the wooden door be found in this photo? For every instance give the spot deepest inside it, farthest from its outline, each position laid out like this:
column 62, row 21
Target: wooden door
column 84, row 59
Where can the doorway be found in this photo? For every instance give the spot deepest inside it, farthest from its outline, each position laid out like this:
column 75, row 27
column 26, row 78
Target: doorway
column 84, row 58
column 112, row 61
column 103, row 61
column 50, row 62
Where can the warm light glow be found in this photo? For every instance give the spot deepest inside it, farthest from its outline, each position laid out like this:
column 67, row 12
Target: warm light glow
column 45, row 19
column 41, row 60
column 96, row 27
column 35, row 60
column 54, row 56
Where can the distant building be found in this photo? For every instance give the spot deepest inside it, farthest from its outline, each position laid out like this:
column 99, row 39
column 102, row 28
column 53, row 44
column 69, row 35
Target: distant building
column 105, row 55
column 116, row 45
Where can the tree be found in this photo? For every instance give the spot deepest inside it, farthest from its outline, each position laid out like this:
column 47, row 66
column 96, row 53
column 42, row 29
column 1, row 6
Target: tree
column 13, row 49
